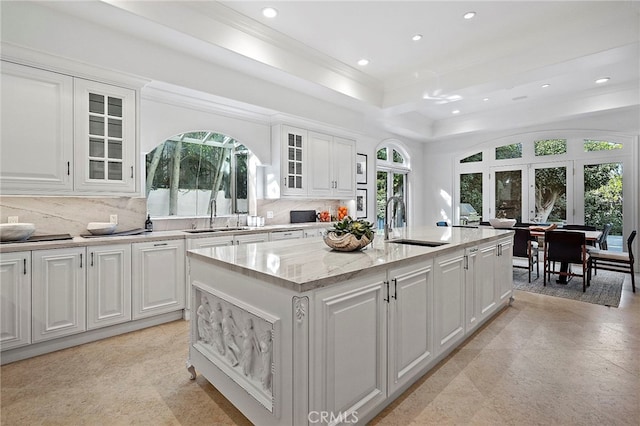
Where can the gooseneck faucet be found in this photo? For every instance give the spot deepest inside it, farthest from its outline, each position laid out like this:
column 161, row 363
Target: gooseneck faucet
column 213, row 207
column 387, row 225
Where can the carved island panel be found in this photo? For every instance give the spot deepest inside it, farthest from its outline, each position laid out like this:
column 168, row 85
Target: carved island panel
column 239, row 339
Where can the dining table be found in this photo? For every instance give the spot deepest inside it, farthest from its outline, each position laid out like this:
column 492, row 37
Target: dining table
column 590, row 236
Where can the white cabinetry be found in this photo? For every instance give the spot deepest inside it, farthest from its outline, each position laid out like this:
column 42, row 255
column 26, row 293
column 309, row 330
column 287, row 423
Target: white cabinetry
column 449, row 300
column 158, row 277
column 349, row 348
column 410, row 322
column 15, row 294
column 108, row 285
column 104, row 137
column 261, row 237
column 58, row 293
column 293, row 157
column 286, row 235
column 313, row 232
column 331, row 166
column 504, row 268
column 64, row 135
column 310, row 164
column 37, row 130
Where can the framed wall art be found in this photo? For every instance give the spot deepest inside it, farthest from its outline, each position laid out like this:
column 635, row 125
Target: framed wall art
column 361, row 203
column 361, row 168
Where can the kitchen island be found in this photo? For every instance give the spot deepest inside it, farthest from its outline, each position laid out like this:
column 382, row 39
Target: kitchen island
column 292, row 332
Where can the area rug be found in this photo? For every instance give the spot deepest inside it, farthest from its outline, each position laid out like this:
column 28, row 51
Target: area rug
column 605, row 288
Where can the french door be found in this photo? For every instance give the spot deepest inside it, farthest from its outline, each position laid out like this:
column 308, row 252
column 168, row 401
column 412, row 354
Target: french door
column 537, row 193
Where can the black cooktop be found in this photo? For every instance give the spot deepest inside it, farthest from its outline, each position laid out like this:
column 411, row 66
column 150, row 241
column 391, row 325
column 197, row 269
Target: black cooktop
column 40, row 238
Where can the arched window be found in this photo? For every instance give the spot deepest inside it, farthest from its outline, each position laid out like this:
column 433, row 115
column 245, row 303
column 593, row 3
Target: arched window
column 392, row 171
column 189, row 173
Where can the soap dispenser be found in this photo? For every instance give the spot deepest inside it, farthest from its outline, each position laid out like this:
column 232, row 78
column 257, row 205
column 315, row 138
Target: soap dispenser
column 148, row 224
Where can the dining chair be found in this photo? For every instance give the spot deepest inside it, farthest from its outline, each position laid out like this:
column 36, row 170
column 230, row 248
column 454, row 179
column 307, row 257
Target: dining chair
column 614, row 260
column 566, row 247
column 602, row 240
column 526, row 246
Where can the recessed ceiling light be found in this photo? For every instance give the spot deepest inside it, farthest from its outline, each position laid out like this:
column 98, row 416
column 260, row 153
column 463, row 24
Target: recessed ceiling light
column 363, row 62
column 455, row 111
column 485, row 99
column 544, row 86
column 469, row 15
column 417, row 37
column 269, row 12
column 603, row 80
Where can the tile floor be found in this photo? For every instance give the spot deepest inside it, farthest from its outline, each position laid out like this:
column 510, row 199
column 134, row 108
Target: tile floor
column 543, row 361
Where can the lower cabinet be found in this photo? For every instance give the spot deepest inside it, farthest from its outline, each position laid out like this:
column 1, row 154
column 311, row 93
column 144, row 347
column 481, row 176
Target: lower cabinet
column 286, row 235
column 372, row 336
column 158, row 277
column 251, row 238
column 108, row 285
column 449, row 300
column 410, row 332
column 350, row 343
column 504, row 268
column 15, row 296
column 58, row 293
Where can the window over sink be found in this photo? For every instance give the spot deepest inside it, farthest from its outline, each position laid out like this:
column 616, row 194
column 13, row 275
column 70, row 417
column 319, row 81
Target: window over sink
column 188, row 172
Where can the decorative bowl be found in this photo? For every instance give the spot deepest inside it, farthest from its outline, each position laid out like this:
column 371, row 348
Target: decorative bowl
column 502, row 223
column 345, row 242
column 101, row 228
column 16, row 231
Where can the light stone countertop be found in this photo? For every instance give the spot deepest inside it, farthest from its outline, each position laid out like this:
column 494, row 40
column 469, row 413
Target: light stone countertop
column 307, row 264
column 79, row 241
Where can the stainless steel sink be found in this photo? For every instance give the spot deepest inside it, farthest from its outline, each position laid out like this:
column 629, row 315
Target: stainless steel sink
column 418, row 242
column 205, row 230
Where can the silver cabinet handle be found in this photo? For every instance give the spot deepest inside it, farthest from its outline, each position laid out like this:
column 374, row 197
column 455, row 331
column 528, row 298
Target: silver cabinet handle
column 24, row 266
column 80, row 260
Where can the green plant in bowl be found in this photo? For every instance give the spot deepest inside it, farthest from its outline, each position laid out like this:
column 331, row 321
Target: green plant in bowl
column 349, row 234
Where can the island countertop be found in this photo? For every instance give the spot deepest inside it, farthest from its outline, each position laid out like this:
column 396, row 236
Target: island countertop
column 307, row 264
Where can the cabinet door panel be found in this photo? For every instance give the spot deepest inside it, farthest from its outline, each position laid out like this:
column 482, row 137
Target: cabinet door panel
column 59, row 293
column 15, row 293
column 109, row 285
column 487, row 284
column 449, row 300
column 351, row 343
column 294, row 146
column 410, row 323
column 37, row 130
column 158, row 278
column 320, row 177
column 105, row 138
column 504, row 268
column 344, row 166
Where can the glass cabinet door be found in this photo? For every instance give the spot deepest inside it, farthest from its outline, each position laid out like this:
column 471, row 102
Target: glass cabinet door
column 293, row 161
column 105, row 136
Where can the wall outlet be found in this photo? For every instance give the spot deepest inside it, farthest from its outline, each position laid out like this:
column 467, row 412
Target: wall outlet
column 12, row 219
column 270, row 214
column 113, row 218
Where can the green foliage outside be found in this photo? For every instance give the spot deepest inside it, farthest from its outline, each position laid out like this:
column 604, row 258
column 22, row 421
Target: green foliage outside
column 471, row 190
column 509, row 151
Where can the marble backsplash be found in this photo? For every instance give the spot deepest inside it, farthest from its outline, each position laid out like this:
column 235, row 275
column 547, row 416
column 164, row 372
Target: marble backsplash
column 70, row 215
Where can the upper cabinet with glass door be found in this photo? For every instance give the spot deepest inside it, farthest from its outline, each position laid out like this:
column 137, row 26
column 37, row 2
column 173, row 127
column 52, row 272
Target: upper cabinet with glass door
column 310, row 164
column 104, row 137
column 65, row 135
